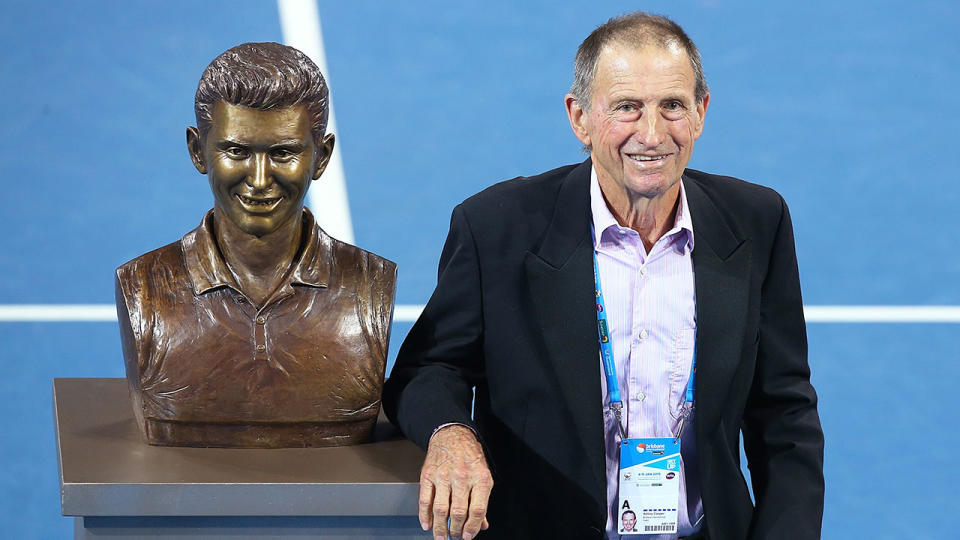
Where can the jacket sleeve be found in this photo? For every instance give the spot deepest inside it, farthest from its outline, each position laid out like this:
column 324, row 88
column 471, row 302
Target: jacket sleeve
column 782, row 434
column 441, row 360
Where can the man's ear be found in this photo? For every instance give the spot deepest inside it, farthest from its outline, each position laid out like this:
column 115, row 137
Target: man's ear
column 196, row 149
column 578, row 119
column 324, row 151
column 701, row 116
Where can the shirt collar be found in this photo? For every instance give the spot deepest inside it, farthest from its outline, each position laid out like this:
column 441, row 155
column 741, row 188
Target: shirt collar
column 603, row 218
column 208, row 271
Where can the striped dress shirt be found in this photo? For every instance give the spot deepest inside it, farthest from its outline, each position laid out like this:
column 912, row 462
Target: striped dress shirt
column 651, row 310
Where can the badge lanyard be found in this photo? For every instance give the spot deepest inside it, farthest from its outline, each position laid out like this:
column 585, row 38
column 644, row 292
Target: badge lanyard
column 609, row 367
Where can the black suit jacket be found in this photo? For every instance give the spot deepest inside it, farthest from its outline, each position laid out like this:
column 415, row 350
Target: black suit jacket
column 513, row 318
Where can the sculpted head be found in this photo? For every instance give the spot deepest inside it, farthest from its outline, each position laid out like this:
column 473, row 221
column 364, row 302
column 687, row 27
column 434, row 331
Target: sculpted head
column 637, row 104
column 262, row 113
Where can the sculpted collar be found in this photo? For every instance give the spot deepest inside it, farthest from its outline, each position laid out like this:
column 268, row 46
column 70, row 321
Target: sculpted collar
column 208, row 271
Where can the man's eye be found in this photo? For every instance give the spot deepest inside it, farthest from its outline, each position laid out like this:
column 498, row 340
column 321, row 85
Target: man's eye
column 674, row 105
column 627, row 107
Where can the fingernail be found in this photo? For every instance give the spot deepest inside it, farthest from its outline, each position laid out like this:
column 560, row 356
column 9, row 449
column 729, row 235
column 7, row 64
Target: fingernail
column 423, row 526
column 439, row 538
column 467, row 536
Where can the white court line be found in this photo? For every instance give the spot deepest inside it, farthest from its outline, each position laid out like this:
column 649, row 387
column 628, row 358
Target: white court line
column 300, row 23
column 409, row 312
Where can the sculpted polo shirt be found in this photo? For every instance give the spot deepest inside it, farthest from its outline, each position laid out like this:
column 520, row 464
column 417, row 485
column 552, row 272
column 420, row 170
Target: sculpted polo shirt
column 208, row 368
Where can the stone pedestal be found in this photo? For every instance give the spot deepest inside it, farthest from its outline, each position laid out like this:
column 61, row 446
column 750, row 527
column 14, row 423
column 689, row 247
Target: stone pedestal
column 119, row 487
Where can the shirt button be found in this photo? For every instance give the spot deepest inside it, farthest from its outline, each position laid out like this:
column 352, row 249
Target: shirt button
column 641, row 396
column 643, row 271
column 644, row 334
column 261, row 348
column 261, row 320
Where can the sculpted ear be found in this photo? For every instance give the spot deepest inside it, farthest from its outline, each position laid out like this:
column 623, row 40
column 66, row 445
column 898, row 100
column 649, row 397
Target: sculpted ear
column 324, row 151
column 196, row 149
column 578, row 119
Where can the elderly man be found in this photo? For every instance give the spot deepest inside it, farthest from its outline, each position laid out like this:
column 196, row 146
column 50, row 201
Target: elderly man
column 257, row 328
column 676, row 268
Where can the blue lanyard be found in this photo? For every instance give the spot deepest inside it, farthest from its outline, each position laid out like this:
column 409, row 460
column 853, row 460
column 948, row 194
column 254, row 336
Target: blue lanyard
column 609, row 367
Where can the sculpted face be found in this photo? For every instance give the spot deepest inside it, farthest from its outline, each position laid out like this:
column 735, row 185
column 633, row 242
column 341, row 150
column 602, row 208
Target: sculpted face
column 643, row 118
column 259, row 164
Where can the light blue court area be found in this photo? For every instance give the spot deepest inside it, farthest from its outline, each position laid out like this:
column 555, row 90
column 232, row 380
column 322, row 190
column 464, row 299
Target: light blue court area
column 847, row 108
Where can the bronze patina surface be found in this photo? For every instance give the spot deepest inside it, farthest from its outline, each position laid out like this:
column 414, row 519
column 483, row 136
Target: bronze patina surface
column 257, row 329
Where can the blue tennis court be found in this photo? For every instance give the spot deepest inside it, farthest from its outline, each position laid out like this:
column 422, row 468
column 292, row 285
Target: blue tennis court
column 847, row 109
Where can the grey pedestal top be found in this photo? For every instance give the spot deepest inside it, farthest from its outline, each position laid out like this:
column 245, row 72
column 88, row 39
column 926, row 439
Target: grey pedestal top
column 107, row 470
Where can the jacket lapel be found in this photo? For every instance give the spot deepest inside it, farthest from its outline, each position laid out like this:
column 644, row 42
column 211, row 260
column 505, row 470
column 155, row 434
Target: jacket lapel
column 560, row 277
column 721, row 264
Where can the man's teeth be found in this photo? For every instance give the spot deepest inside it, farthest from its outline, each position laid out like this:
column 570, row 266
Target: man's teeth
column 639, row 157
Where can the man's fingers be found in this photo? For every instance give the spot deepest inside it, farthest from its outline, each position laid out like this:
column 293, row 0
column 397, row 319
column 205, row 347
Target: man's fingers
column 459, row 505
column 426, row 504
column 477, row 516
column 441, row 510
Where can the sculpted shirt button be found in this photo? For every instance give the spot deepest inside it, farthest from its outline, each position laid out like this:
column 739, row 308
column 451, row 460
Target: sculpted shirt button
column 261, row 348
column 261, row 320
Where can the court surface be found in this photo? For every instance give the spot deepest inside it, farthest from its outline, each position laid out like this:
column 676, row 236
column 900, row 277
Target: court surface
column 846, row 108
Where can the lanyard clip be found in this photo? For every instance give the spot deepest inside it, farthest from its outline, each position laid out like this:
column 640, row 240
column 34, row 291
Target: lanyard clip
column 617, row 408
column 685, row 413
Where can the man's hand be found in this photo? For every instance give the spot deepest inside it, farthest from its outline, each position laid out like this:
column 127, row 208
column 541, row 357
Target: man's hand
column 455, row 482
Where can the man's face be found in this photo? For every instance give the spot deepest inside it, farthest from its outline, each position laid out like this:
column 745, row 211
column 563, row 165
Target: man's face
column 643, row 118
column 259, row 164
column 629, row 521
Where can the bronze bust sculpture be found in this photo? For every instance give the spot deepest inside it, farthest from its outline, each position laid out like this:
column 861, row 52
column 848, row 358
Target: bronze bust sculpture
column 257, row 329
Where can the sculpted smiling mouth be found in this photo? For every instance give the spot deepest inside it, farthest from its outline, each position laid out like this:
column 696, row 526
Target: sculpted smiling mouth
column 259, row 201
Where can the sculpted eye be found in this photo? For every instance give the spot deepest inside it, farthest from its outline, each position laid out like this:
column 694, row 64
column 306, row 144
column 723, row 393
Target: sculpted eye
column 281, row 154
column 235, row 152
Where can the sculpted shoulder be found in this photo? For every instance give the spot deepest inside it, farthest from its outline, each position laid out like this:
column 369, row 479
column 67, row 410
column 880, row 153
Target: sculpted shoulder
column 347, row 256
column 160, row 267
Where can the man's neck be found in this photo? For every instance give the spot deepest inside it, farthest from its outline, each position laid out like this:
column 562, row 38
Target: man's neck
column 259, row 264
column 650, row 217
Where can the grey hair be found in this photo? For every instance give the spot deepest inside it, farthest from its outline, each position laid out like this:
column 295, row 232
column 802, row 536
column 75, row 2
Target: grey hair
column 637, row 28
column 263, row 76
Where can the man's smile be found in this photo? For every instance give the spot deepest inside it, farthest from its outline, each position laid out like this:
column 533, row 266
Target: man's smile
column 646, row 160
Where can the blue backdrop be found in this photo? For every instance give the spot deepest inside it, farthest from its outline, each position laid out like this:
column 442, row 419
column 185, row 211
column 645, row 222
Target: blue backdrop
column 848, row 109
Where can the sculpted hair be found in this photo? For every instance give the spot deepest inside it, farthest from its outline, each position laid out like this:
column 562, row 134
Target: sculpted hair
column 263, row 76
column 638, row 29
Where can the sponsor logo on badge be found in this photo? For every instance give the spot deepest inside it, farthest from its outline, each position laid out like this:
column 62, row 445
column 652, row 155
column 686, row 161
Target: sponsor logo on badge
column 670, row 475
column 641, row 448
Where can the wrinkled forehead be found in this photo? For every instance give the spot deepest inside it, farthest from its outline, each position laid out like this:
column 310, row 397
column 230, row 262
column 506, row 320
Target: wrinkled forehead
column 651, row 66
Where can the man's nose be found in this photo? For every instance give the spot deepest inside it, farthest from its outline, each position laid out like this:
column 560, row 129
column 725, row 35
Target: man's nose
column 260, row 176
column 650, row 130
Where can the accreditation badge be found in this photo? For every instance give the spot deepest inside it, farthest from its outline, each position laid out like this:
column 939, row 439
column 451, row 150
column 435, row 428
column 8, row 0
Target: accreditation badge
column 649, row 485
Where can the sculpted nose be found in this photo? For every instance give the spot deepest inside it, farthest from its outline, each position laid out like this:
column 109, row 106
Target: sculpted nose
column 259, row 177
